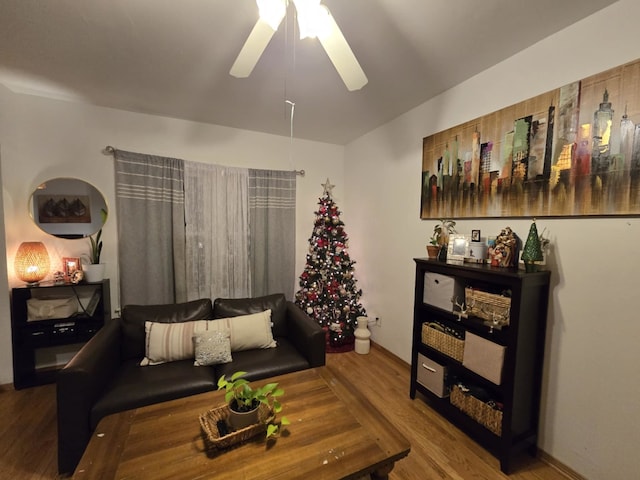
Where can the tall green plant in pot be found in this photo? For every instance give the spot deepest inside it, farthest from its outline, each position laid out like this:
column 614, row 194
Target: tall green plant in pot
column 96, row 248
column 437, row 247
column 94, row 271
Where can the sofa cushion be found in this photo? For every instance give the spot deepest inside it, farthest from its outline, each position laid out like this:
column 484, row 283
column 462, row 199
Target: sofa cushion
column 135, row 386
column 247, row 331
column 168, row 342
column 212, row 348
column 135, row 316
column 233, row 307
column 265, row 363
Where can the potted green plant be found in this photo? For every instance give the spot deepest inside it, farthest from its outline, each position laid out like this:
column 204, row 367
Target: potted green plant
column 245, row 401
column 94, row 271
column 96, row 248
column 432, row 247
column 440, row 237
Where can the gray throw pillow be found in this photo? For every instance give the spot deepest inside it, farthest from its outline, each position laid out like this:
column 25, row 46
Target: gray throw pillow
column 211, row 348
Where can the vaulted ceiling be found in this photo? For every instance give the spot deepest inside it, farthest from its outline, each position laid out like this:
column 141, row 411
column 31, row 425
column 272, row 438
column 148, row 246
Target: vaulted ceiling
column 172, row 58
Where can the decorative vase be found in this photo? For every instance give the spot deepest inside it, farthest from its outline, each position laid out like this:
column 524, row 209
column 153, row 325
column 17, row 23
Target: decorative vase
column 362, row 334
column 239, row 420
column 94, row 272
column 442, row 254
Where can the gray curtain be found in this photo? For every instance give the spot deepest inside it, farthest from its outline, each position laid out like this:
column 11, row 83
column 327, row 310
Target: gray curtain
column 217, row 231
column 272, row 216
column 151, row 230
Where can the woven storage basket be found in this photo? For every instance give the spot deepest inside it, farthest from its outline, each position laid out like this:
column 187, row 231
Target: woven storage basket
column 447, row 344
column 211, row 435
column 482, row 413
column 484, row 305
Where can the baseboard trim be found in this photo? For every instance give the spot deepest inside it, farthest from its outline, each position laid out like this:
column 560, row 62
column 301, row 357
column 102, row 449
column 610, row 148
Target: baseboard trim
column 392, row 356
column 559, row 466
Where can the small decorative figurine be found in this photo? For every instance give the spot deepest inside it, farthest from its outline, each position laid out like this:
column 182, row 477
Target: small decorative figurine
column 58, row 278
column 462, row 310
column 532, row 251
column 504, row 252
column 76, row 277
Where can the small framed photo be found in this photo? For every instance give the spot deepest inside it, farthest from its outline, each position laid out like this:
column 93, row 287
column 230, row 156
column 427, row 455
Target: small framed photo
column 475, row 235
column 458, row 249
column 71, row 266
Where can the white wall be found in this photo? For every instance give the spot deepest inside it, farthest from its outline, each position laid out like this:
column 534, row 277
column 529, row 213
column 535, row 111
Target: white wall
column 6, row 360
column 44, row 138
column 591, row 399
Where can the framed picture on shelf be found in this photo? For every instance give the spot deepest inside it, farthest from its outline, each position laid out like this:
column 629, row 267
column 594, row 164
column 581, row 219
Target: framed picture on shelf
column 458, row 248
column 71, row 266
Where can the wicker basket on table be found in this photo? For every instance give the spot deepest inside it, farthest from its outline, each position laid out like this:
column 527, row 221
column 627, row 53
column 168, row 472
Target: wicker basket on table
column 434, row 336
column 209, row 426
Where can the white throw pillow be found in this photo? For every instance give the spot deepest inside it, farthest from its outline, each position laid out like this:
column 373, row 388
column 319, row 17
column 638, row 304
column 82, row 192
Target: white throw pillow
column 212, row 348
column 247, row 331
column 167, row 342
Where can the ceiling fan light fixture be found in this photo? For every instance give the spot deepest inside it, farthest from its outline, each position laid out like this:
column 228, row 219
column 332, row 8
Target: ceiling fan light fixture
column 313, row 18
column 272, row 11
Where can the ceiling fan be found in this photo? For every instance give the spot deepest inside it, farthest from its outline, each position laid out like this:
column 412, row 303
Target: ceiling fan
column 314, row 20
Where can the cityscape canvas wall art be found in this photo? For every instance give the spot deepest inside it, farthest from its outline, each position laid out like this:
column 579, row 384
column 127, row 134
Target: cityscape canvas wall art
column 573, row 151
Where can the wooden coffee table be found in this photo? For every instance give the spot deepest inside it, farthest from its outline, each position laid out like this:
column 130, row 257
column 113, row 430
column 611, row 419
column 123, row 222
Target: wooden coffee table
column 335, row 433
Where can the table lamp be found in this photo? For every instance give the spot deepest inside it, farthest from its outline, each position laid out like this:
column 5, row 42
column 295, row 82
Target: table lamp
column 32, row 263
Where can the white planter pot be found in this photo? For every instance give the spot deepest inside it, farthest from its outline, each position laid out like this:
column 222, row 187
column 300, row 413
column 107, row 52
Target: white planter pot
column 240, row 420
column 94, row 272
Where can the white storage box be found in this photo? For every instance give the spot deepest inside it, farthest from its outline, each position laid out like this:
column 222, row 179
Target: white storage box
column 432, row 375
column 439, row 290
column 483, row 357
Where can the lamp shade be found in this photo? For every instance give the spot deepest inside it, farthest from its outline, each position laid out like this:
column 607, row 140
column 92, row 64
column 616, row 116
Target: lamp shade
column 32, row 262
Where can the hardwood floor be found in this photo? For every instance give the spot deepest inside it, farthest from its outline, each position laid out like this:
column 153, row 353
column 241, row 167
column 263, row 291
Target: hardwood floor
column 438, row 450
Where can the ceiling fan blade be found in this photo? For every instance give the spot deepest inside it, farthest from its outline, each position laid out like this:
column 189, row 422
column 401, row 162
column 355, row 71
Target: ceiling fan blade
column 342, row 57
column 252, row 50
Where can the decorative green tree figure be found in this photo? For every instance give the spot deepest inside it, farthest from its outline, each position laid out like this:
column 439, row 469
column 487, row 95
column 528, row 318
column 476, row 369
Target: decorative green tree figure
column 532, row 251
column 328, row 291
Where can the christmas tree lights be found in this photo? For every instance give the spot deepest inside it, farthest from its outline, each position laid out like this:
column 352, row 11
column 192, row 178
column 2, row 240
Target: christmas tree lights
column 328, row 291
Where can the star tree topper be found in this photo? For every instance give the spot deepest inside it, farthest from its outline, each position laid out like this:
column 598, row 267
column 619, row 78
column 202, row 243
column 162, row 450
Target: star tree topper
column 328, row 188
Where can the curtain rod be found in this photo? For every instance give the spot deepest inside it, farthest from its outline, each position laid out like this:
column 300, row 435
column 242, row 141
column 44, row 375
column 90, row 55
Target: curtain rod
column 109, row 150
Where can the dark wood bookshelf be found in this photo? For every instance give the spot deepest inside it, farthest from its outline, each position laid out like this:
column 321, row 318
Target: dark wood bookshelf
column 518, row 392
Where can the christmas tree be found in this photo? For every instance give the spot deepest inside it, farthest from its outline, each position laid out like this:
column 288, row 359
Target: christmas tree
column 532, row 251
column 328, row 291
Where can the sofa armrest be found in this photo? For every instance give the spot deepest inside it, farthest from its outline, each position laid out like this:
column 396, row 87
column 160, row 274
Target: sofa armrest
column 306, row 335
column 78, row 386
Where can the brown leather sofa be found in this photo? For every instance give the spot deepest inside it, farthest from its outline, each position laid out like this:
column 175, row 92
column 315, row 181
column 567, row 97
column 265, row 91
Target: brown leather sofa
column 104, row 377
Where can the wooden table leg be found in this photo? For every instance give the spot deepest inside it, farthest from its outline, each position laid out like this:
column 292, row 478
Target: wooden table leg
column 383, row 472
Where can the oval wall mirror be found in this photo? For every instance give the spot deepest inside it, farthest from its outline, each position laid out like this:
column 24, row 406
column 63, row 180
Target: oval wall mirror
column 68, row 208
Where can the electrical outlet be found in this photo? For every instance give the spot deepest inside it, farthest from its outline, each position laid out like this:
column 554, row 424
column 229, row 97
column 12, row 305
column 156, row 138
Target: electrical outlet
column 375, row 321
